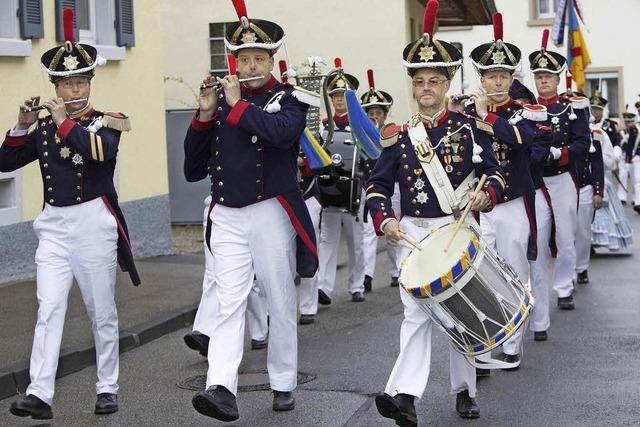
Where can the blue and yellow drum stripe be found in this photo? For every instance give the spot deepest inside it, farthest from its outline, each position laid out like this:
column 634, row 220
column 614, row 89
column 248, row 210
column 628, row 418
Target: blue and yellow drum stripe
column 506, row 332
column 443, row 282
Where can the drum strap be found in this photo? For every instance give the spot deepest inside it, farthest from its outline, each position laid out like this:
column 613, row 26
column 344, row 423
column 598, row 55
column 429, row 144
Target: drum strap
column 448, row 198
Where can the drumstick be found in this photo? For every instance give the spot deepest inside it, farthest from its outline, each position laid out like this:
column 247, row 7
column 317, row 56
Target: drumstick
column 483, row 178
column 408, row 239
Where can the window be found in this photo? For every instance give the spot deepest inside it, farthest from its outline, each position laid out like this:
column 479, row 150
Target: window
column 20, row 20
column 609, row 83
column 106, row 24
column 10, row 201
column 546, row 8
column 217, row 49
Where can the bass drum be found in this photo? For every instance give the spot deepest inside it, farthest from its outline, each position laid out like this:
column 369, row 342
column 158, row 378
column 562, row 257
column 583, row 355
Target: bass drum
column 339, row 182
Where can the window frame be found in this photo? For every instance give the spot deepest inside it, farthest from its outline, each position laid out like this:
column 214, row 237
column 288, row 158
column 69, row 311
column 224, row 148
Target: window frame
column 12, row 215
column 535, row 20
column 217, row 71
column 14, row 46
column 618, row 71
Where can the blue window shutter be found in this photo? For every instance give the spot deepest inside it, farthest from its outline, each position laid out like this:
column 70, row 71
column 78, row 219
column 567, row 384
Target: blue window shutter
column 60, row 6
column 125, row 32
column 31, row 25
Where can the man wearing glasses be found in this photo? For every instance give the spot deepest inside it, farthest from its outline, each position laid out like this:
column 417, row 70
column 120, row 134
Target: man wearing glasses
column 457, row 149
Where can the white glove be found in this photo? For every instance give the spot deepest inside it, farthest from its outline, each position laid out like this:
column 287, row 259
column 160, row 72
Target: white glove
column 555, row 153
column 617, row 153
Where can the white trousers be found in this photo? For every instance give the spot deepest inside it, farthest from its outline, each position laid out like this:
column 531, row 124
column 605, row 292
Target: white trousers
column 78, row 242
column 256, row 240
column 506, row 230
column 542, row 267
column 583, row 229
column 333, row 220
column 411, row 370
column 308, row 288
column 635, row 164
column 370, row 239
column 623, row 174
column 256, row 304
column 564, row 200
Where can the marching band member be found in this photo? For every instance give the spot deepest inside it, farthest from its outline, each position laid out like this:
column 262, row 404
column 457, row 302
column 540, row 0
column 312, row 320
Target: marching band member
column 541, row 269
column 246, row 137
column 198, row 338
column 81, row 230
column 571, row 141
column 414, row 154
column 376, row 103
column 334, row 218
column 632, row 158
column 590, row 180
column 308, row 288
column 512, row 129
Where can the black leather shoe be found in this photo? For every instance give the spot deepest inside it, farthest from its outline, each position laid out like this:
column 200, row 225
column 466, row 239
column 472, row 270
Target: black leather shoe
column 106, row 403
column 198, row 342
column 216, row 402
column 307, row 319
column 357, row 297
column 323, row 299
column 583, row 278
column 512, row 358
column 259, row 344
column 283, row 401
column 368, row 283
column 466, row 406
column 566, row 303
column 31, row 406
column 399, row 408
column 394, row 282
column 540, row 336
column 636, row 208
column 483, row 373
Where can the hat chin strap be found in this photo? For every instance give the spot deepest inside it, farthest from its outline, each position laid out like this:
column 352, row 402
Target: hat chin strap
column 79, row 111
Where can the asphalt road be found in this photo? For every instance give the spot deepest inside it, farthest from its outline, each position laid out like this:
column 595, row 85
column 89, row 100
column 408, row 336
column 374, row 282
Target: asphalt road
column 587, row 373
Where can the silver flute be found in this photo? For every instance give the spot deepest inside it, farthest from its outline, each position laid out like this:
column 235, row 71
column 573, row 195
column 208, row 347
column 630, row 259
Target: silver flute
column 217, row 84
column 42, row 107
column 458, row 98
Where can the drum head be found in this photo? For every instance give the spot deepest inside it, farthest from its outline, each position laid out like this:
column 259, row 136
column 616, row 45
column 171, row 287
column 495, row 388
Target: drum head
column 429, row 271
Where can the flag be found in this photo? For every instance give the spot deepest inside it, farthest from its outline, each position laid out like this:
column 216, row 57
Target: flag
column 364, row 132
column 578, row 57
column 315, row 154
column 557, row 30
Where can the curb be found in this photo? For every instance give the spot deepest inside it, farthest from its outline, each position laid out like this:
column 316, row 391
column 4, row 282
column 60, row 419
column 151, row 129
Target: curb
column 15, row 379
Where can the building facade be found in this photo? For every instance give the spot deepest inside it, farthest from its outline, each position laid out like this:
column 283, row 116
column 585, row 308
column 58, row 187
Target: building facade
column 126, row 34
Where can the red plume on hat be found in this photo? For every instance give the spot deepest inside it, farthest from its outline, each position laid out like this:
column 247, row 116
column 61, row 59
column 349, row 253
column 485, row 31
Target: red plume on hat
column 233, row 64
column 67, row 25
column 498, row 29
column 429, row 20
column 545, row 39
column 337, row 62
column 372, row 84
column 241, row 10
column 283, row 70
column 569, row 78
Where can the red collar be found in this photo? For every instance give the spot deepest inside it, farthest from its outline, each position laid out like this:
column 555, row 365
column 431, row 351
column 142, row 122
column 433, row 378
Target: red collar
column 246, row 91
column 341, row 120
column 500, row 107
column 548, row 101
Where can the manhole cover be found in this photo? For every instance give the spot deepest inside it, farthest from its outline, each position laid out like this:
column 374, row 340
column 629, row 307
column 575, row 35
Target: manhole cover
column 247, row 381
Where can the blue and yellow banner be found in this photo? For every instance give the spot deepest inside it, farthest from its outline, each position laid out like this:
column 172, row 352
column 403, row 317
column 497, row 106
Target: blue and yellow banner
column 315, row 154
column 578, row 57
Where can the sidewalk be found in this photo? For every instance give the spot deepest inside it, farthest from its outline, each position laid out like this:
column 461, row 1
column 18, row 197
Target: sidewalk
column 165, row 302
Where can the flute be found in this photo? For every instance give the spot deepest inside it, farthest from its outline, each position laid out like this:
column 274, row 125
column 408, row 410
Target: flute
column 42, row 107
column 216, row 84
column 458, row 98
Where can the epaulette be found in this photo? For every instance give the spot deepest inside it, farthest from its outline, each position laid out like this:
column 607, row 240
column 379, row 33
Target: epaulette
column 484, row 126
column 389, row 134
column 306, row 96
column 579, row 102
column 117, row 121
column 534, row 112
